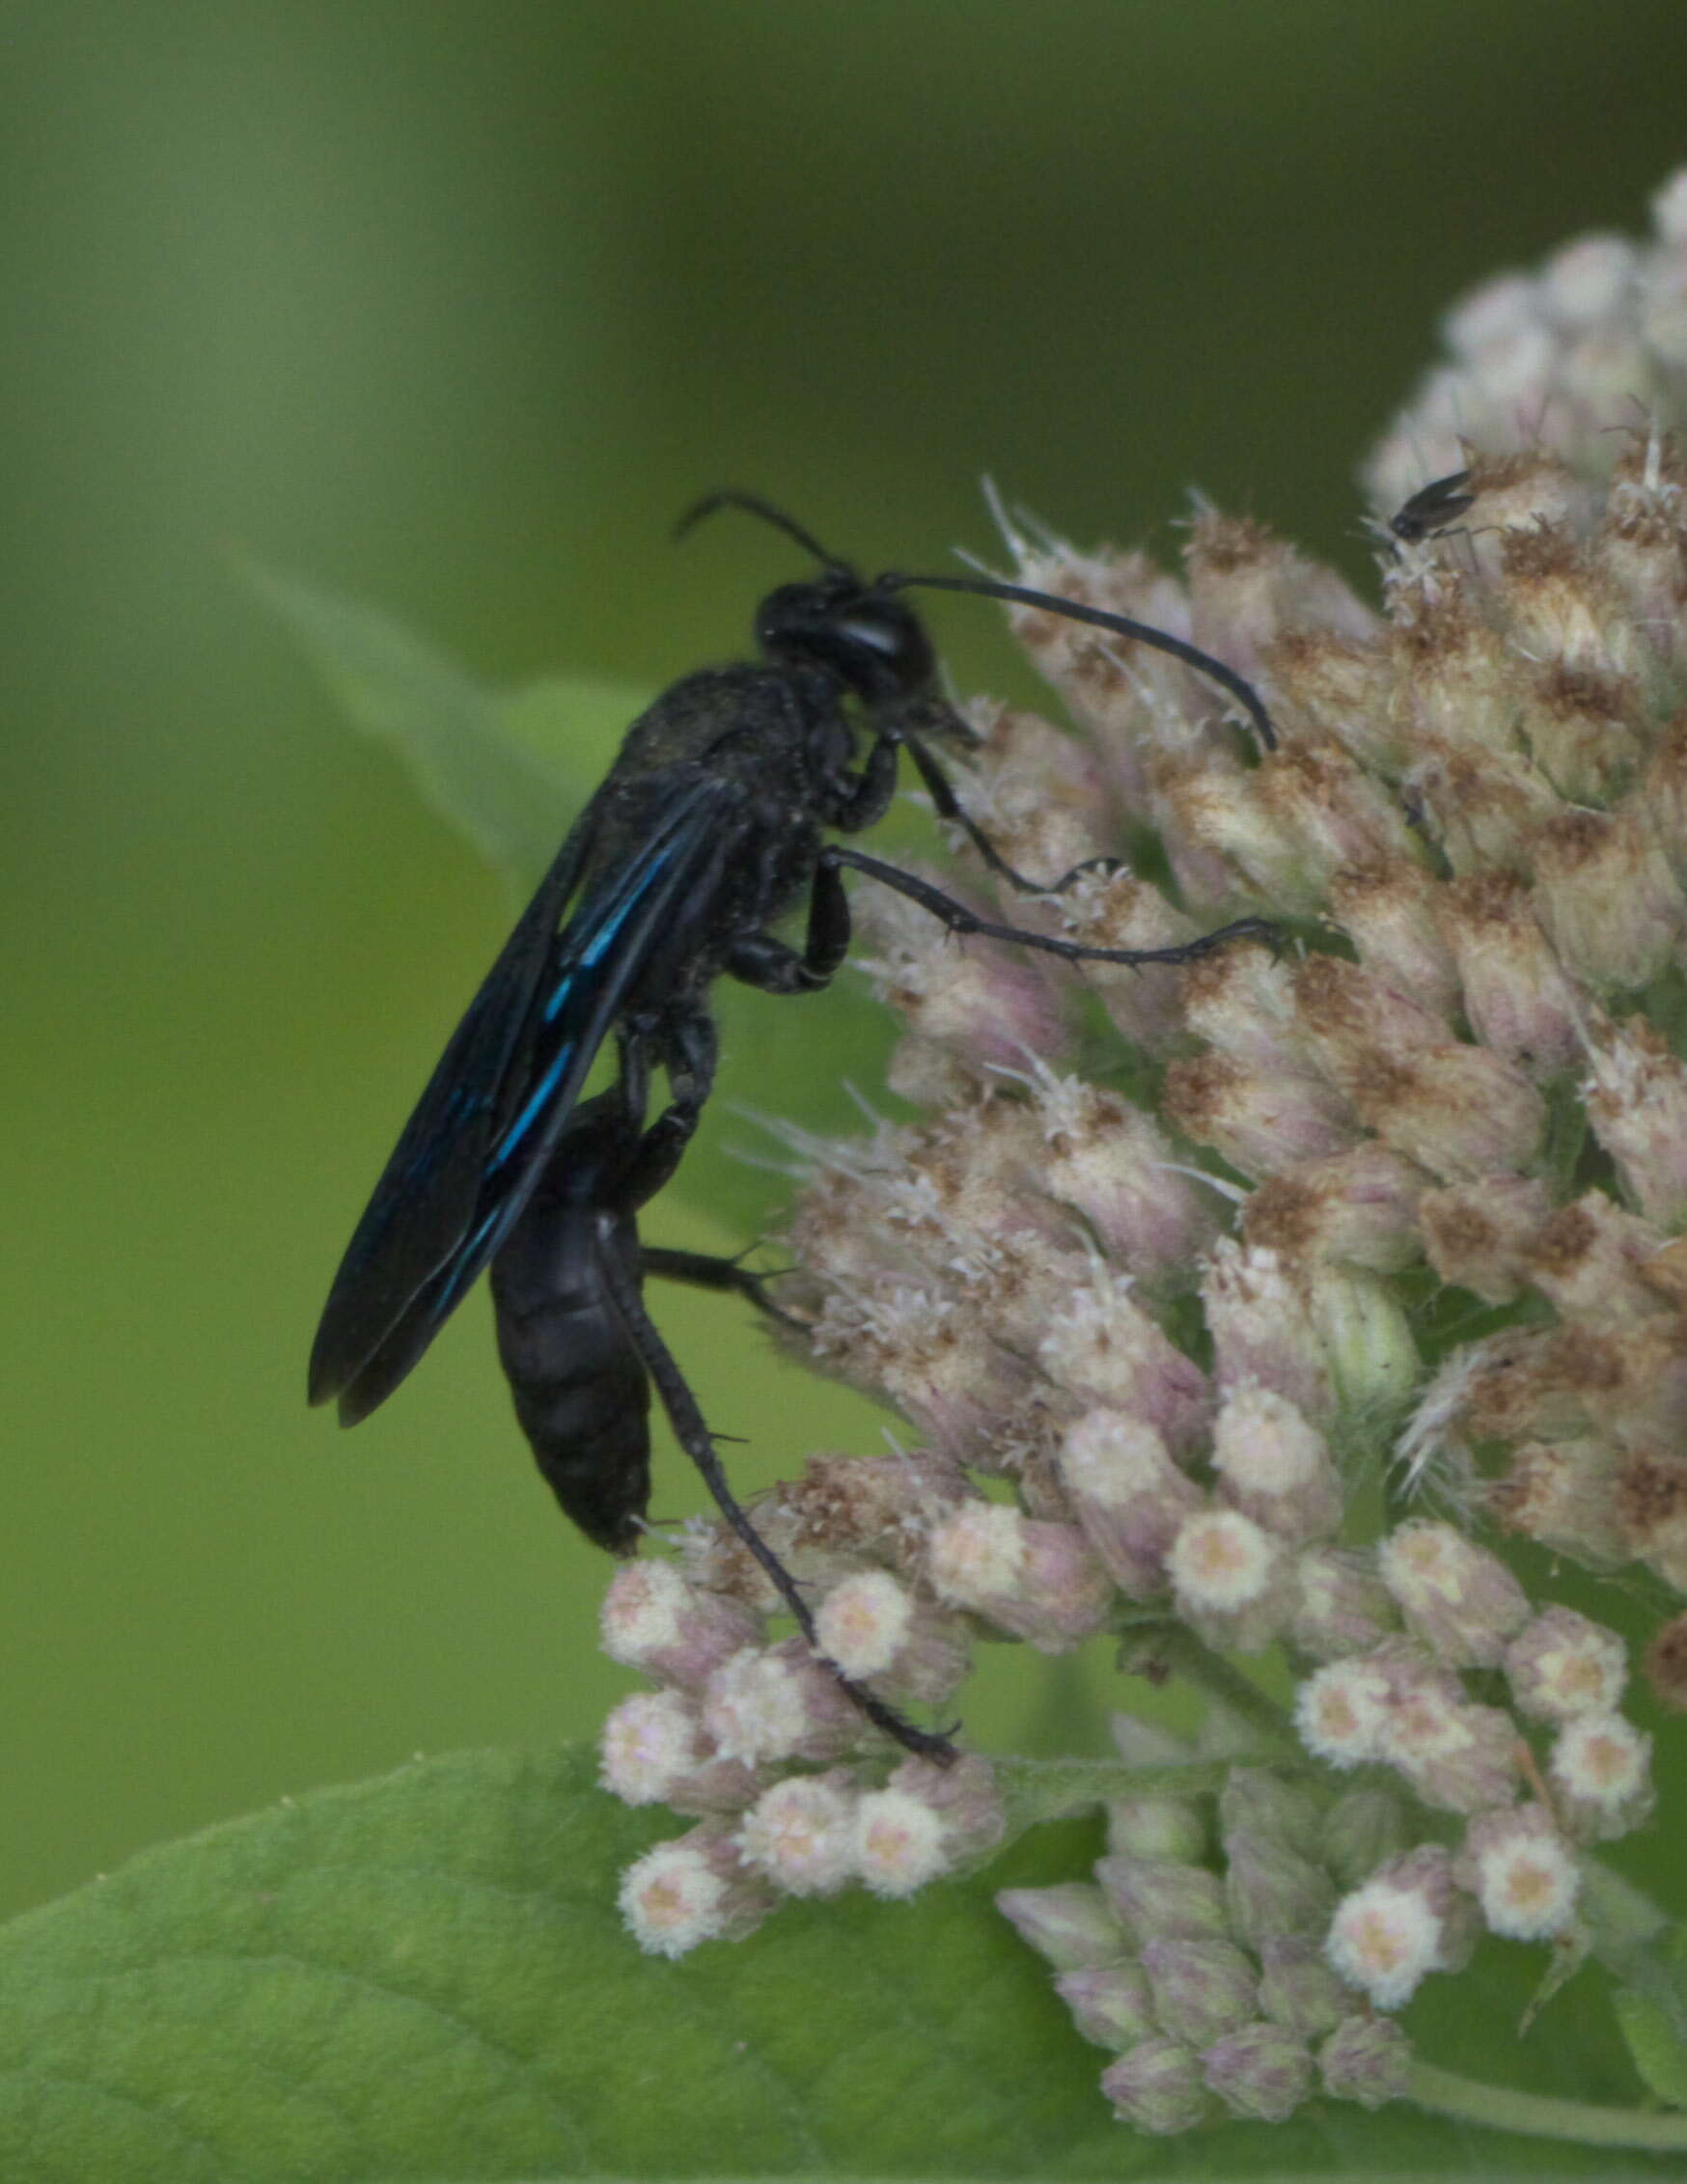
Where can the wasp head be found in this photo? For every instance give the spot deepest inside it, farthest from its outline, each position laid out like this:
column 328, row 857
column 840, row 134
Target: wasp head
column 875, row 645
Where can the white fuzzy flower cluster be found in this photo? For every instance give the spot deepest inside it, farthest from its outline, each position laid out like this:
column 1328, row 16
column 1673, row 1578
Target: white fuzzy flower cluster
column 733, row 1716
column 1404, row 1201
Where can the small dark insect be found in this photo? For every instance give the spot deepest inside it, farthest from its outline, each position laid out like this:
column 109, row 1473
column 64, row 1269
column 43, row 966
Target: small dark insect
column 1432, row 508
column 710, row 826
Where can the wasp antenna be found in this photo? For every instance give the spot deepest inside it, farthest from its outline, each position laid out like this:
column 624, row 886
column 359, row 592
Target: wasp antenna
column 1099, row 618
column 728, row 496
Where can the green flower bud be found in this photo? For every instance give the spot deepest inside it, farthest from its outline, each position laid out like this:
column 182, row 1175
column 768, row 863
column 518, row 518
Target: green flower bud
column 1158, row 2087
column 1262, row 2072
column 1367, row 2060
column 1202, row 1990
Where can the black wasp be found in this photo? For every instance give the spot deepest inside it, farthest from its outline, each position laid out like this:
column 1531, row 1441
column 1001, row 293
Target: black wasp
column 710, row 825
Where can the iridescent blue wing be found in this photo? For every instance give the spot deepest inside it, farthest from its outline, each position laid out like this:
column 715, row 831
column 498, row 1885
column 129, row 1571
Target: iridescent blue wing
column 473, row 1149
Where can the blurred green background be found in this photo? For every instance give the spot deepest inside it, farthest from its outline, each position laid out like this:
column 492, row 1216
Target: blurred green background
column 452, row 309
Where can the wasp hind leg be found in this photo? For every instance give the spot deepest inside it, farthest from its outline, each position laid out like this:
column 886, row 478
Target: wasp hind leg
column 694, row 1436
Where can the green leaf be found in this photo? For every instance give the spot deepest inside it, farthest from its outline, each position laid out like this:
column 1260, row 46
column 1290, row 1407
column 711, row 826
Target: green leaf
column 424, row 1977
column 1653, row 2033
column 1651, row 2009
column 469, row 761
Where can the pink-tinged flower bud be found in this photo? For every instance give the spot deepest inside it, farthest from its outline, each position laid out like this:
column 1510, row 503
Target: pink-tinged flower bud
column 1241, row 1002
column 877, row 1505
column 1213, row 807
column 964, row 1796
column 1038, row 794
column 1590, row 1260
column 1262, row 1331
column 1586, row 726
column 1037, row 1580
column 1201, row 1989
column 1589, row 281
column 899, row 1843
column 1017, row 1285
column 1164, row 1899
column 1639, row 551
column 1516, row 995
column 1485, row 810
column 1128, row 1496
column 654, row 1752
column 1561, row 611
column 872, row 1626
column 1364, row 1830
column 1156, row 1827
column 1157, row 2088
column 1460, row 1600
column 1070, row 1926
column 1521, row 1872
column 1106, row 1348
column 1118, row 910
column 1356, row 1209
column 1119, row 1169
column 1478, row 1235
column 1628, row 1382
column 1406, row 1921
column 1350, row 1017
column 1560, row 1665
column 1247, row 586
column 1233, row 1581
column 1663, row 787
column 1600, row 1767
column 1341, row 1711
column 1271, row 1804
column 1298, row 1989
column 801, row 1834
column 1271, row 1889
column 1666, row 1663
column 1110, row 2005
column 695, row 1889
column 989, row 1004
column 1275, row 1466
column 1260, row 1119
column 927, row 1821
column 781, row 1703
column 1637, row 1103
column 1367, row 2060
column 652, row 1619
column 1607, row 898
column 1341, row 1605
column 1390, row 908
column 1459, row 1111
column 1564, row 1494
column 1651, row 1506
column 935, row 1361
column 1337, row 814
column 928, row 1075
column 1262, row 2072
column 1458, row 1757
column 1339, row 688
column 1153, row 1825
column 1114, row 687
